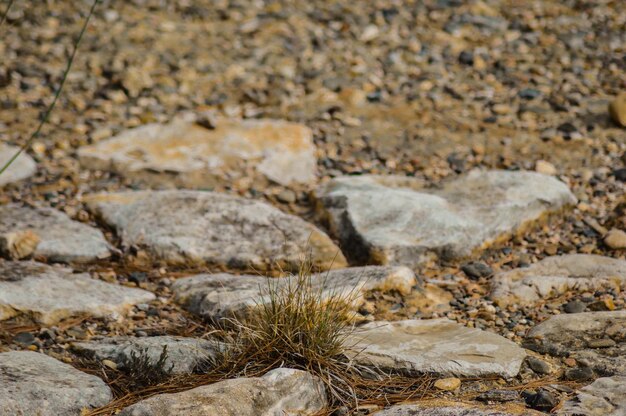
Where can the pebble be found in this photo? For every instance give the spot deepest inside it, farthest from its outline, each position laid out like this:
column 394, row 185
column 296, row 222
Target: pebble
column 545, row 167
column 476, row 270
column 448, row 384
column 579, row 374
column 541, row 400
column 615, row 239
column 538, row 366
column 575, row 306
column 617, row 109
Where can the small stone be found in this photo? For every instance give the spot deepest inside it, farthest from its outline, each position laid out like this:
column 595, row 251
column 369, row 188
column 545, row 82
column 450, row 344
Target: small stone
column 466, row 58
column 529, row 93
column 615, row 239
column 601, row 343
column 542, row 400
column 287, row 196
column 24, row 338
column 575, row 306
column 538, row 366
column 22, row 168
column 545, row 167
column 476, row 270
column 579, row 374
column 498, row 396
column 448, row 384
column 110, row 364
column 617, row 109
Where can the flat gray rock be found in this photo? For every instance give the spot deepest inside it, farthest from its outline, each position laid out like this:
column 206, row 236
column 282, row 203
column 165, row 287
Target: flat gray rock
column 391, row 220
column 184, row 355
column 49, row 294
column 182, row 227
column 438, row 346
column 35, row 384
column 556, row 276
column 23, row 167
column 184, row 154
column 60, row 238
column 440, row 408
column 595, row 339
column 604, row 397
column 280, row 392
column 216, row 296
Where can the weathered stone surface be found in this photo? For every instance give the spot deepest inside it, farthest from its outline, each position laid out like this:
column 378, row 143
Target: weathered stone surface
column 207, row 227
column 60, row 238
column 443, row 408
column 594, row 339
column 23, row 167
column 188, row 155
column 555, row 276
column 35, row 384
column 49, row 294
column 184, row 355
column 604, row 397
column 436, row 346
column 222, row 295
column 280, row 392
column 390, row 220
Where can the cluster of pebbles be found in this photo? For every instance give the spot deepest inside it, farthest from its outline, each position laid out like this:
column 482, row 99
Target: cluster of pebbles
column 460, row 166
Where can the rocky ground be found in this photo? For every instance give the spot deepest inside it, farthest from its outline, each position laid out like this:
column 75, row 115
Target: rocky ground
column 460, row 166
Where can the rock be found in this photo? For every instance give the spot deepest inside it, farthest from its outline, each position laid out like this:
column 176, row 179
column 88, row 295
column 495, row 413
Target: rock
column 184, row 154
column 620, row 174
column 449, row 408
column 575, row 306
column 541, row 400
column 538, row 366
column 615, row 239
column 604, row 397
column 498, row 396
column 556, row 276
column 578, row 374
column 35, row 384
column 563, row 336
column 476, row 270
column 22, row 168
column 280, row 392
column 390, row 220
column 448, row 384
column 59, row 238
column 545, row 167
column 437, row 346
column 216, row 296
column 184, row 355
column 617, row 109
column 183, row 227
column 49, row 294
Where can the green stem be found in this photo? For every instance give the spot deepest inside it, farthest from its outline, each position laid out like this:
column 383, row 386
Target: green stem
column 56, row 95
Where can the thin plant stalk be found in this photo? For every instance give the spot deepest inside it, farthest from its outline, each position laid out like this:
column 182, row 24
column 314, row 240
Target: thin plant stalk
column 58, row 91
column 6, row 12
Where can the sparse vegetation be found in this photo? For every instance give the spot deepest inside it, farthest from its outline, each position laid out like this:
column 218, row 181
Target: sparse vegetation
column 143, row 371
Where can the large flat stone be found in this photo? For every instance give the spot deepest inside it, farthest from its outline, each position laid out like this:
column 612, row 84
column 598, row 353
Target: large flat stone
column 577, row 336
column 556, row 276
column 445, row 408
column 207, row 227
column 391, row 220
column 279, row 392
column 604, row 397
column 35, row 384
column 60, row 238
column 184, row 355
column 216, row 296
column 22, row 168
column 436, row 346
column 185, row 154
column 49, row 294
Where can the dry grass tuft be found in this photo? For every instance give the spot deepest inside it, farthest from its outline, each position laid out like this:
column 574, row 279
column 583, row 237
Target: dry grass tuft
column 298, row 325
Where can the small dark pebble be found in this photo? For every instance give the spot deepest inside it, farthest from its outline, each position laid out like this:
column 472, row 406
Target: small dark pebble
column 466, row 58
column 567, row 128
column 542, row 400
column 579, row 374
column 620, row 174
column 24, row 338
column 137, row 277
column 529, row 93
column 574, row 306
column 538, row 366
column 498, row 396
column 476, row 270
column 601, row 343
